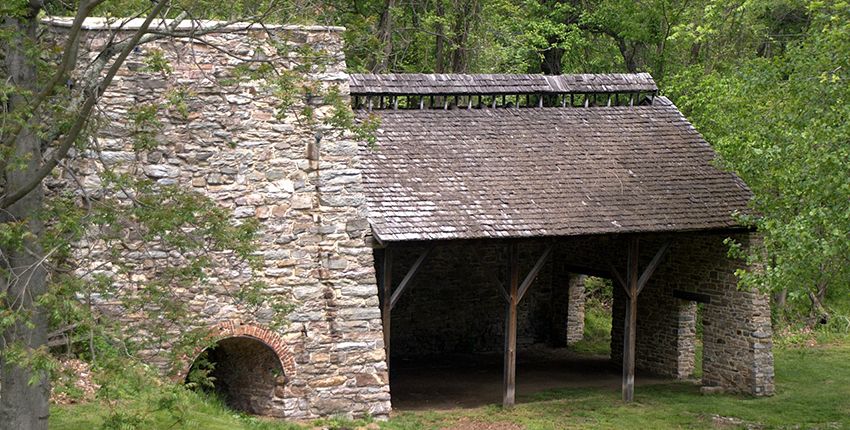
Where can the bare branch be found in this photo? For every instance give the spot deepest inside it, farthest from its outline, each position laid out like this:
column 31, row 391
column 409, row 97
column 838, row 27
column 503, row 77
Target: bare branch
column 93, row 94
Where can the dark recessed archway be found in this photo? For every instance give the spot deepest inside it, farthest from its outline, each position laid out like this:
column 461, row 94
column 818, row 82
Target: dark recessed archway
column 246, row 372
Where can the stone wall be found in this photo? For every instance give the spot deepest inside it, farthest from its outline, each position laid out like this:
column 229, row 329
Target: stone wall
column 234, row 148
column 575, row 314
column 737, row 330
column 453, row 305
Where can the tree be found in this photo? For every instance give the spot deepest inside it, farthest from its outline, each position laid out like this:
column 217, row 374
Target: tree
column 780, row 121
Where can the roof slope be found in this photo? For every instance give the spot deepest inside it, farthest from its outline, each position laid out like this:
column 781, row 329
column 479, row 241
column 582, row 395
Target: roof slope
column 445, row 84
column 489, row 173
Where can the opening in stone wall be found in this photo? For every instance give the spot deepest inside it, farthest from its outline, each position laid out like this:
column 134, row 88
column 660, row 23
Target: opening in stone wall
column 597, row 301
column 243, row 372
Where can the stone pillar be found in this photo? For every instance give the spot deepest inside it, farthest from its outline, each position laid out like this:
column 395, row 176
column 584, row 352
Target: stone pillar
column 686, row 335
column 737, row 342
column 575, row 312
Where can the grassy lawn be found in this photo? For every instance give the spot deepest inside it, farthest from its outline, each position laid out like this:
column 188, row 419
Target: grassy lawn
column 812, row 391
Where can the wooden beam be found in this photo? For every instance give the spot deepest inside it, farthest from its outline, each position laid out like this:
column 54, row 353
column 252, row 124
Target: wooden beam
column 386, row 308
column 649, row 270
column 618, row 278
column 410, row 274
column 691, row 296
column 509, row 381
column 630, row 331
column 526, row 283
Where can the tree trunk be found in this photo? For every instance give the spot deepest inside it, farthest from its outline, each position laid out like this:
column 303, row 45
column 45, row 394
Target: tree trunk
column 463, row 26
column 819, row 314
column 440, row 48
column 385, row 35
column 629, row 54
column 552, row 60
column 23, row 406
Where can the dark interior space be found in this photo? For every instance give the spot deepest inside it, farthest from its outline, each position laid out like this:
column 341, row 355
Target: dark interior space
column 244, row 374
column 448, row 329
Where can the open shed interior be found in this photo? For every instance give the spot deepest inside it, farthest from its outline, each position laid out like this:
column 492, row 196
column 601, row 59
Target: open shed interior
column 448, row 326
column 448, row 329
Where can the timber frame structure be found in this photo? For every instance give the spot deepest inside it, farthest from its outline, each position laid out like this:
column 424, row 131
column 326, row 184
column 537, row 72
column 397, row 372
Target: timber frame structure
column 502, row 160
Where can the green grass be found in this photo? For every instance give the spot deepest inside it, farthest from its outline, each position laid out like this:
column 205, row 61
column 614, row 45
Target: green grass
column 813, row 391
column 194, row 411
column 597, row 331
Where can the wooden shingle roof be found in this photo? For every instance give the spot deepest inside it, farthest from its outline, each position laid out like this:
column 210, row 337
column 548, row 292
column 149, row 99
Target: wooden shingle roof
column 526, row 172
column 456, row 84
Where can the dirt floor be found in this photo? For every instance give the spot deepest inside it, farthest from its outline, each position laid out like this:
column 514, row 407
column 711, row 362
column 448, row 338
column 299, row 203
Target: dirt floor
column 466, row 380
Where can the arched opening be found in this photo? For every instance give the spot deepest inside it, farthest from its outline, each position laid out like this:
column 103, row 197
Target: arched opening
column 244, row 372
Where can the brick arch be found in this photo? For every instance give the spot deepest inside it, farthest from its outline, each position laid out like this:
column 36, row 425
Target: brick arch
column 236, row 328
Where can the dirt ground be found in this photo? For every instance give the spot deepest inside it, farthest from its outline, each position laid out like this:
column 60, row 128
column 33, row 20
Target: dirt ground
column 466, row 380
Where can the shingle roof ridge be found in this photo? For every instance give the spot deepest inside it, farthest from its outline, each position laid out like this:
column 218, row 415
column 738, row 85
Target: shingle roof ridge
column 466, row 83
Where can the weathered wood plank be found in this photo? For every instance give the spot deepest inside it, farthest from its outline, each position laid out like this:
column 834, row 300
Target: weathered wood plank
column 650, row 269
column 618, row 278
column 630, row 331
column 386, row 308
column 509, row 385
column 532, row 275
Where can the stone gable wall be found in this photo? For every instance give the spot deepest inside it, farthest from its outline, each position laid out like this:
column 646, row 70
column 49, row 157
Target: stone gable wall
column 737, row 330
column 232, row 148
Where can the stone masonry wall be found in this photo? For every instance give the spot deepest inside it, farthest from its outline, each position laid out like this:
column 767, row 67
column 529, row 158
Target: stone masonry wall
column 454, row 305
column 575, row 315
column 233, row 148
column 736, row 324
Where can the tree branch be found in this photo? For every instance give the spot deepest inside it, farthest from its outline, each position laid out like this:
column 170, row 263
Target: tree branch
column 93, row 94
column 69, row 58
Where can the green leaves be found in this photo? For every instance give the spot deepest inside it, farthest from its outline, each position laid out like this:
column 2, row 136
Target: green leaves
column 782, row 124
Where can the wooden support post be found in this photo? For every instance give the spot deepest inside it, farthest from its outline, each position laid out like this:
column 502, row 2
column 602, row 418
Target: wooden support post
column 509, row 391
column 631, row 322
column 633, row 284
column 386, row 308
